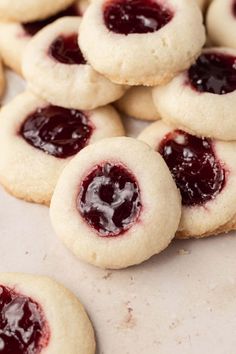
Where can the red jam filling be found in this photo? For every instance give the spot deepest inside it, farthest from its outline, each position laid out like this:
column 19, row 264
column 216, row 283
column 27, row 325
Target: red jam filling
column 109, row 199
column 31, row 28
column 214, row 73
column 23, row 327
column 57, row 131
column 194, row 166
column 65, row 49
column 234, row 8
column 135, row 16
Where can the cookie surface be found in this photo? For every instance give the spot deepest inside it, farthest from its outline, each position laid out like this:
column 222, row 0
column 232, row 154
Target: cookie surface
column 56, row 69
column 40, row 139
column 13, row 42
column 155, row 50
column 110, row 216
column 137, row 102
column 15, row 35
column 202, row 100
column 221, row 23
column 30, row 10
column 2, row 78
column 36, row 315
column 204, row 171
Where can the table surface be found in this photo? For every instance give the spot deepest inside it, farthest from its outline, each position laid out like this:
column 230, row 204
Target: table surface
column 181, row 301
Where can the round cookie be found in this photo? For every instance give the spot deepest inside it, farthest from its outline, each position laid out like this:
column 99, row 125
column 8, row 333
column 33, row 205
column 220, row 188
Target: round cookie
column 137, row 102
column 15, row 35
column 148, row 45
column 39, row 140
column 56, row 70
column 39, row 315
column 30, row 10
column 221, row 23
column 104, row 206
column 205, row 173
column 202, row 100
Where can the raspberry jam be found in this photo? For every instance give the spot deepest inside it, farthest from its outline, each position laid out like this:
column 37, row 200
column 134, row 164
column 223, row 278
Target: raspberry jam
column 234, row 8
column 31, row 28
column 135, row 16
column 194, row 166
column 109, row 199
column 65, row 49
column 23, row 327
column 214, row 73
column 57, row 131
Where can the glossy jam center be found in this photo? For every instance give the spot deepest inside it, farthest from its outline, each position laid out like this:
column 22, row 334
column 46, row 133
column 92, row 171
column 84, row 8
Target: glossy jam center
column 31, row 28
column 214, row 73
column 57, row 131
column 194, row 166
column 23, row 328
column 65, row 49
column 234, row 8
column 109, row 199
column 135, row 16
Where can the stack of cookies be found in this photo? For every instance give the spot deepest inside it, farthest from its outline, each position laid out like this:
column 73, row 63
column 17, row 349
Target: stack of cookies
column 115, row 201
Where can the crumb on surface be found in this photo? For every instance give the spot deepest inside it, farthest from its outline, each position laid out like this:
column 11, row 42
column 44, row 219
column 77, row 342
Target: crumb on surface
column 183, row 252
column 107, row 275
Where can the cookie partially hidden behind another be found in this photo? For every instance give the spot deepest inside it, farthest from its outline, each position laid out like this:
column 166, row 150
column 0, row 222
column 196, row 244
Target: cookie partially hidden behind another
column 28, row 10
column 137, row 102
column 205, row 173
column 57, row 70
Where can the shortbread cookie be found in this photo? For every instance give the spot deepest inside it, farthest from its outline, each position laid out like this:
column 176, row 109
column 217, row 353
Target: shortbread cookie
column 2, row 79
column 39, row 139
column 138, row 103
column 15, row 36
column 141, row 42
column 110, row 206
column 56, row 69
column 202, row 100
column 221, row 22
column 205, row 173
column 38, row 315
column 31, row 10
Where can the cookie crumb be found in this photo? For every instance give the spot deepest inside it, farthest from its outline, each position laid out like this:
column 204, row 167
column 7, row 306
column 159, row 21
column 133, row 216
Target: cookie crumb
column 129, row 321
column 183, row 252
column 107, row 276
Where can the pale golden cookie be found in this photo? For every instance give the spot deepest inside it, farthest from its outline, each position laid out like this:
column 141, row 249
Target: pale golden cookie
column 202, row 100
column 138, row 50
column 30, row 10
column 57, row 71
column 221, row 23
column 15, row 35
column 110, row 207
column 205, row 172
column 40, row 315
column 39, row 140
column 138, row 103
column 2, row 79
column 13, row 41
